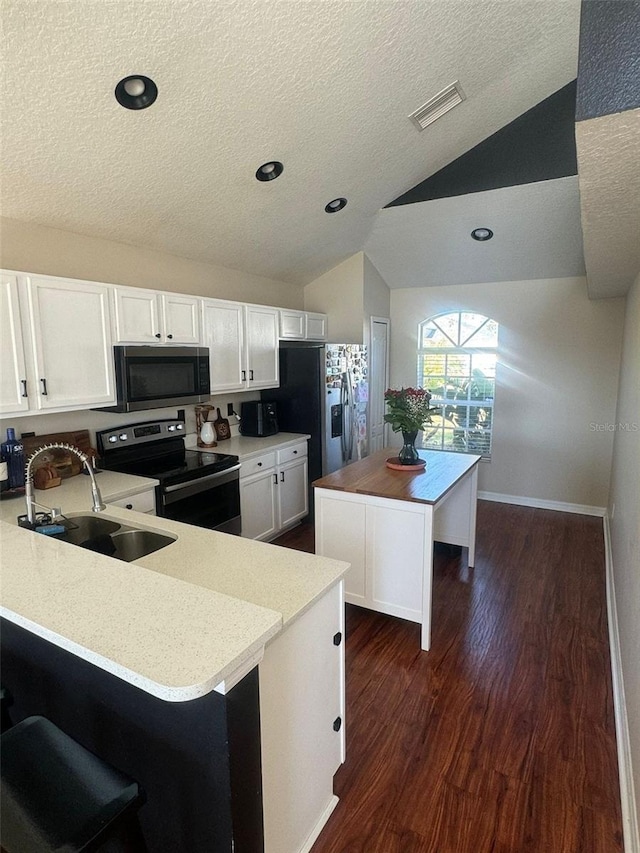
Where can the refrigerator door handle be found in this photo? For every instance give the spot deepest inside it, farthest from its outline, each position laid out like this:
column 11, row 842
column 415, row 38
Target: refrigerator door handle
column 346, row 396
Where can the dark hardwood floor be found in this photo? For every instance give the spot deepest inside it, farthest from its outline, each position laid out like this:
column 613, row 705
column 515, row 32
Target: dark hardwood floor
column 501, row 738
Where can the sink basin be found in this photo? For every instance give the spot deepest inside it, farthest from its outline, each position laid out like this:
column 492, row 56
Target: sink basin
column 115, row 540
column 133, row 544
column 84, row 527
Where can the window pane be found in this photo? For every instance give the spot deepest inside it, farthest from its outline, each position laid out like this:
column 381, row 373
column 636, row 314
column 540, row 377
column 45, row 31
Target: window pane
column 478, row 331
column 458, row 364
column 485, row 362
column 432, row 336
column 450, row 325
column 433, row 364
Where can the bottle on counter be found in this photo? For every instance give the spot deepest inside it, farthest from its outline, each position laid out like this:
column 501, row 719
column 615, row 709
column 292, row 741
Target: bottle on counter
column 12, row 452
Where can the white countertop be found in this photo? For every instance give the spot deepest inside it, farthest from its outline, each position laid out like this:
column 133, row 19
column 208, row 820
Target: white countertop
column 245, row 446
column 175, row 623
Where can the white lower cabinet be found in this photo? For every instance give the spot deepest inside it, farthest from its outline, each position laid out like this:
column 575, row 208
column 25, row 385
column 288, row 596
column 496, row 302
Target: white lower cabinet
column 274, row 491
column 140, row 502
column 302, row 724
column 385, row 542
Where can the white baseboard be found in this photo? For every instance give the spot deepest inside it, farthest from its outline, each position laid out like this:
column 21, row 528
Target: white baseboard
column 538, row 503
column 324, row 817
column 630, row 829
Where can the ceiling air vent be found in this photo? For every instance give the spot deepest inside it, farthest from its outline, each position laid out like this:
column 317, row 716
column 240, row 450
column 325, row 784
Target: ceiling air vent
column 440, row 104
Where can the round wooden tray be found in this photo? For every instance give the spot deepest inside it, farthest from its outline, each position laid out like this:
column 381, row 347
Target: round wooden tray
column 394, row 463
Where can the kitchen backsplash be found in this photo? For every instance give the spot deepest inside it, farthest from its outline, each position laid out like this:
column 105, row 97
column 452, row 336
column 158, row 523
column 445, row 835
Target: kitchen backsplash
column 94, row 420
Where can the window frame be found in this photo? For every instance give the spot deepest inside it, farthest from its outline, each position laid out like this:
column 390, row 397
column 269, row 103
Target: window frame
column 485, row 404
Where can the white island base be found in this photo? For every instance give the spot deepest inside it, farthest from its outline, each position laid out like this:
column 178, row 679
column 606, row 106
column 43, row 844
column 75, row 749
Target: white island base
column 385, row 523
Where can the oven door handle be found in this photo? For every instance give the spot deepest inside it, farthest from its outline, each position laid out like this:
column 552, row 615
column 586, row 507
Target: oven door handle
column 201, row 480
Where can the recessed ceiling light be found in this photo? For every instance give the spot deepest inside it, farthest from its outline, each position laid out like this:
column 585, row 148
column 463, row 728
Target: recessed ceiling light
column 136, row 92
column 482, row 234
column 270, row 171
column 335, row 205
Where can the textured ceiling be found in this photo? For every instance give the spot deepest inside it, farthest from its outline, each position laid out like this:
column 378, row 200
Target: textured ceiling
column 536, row 231
column 608, row 160
column 325, row 86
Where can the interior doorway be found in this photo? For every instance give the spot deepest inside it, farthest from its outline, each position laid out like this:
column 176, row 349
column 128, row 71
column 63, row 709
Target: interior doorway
column 378, row 380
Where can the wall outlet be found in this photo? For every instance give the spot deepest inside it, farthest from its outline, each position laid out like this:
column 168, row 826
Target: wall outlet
column 229, row 408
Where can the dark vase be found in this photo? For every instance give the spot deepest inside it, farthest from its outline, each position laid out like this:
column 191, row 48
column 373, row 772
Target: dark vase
column 408, row 454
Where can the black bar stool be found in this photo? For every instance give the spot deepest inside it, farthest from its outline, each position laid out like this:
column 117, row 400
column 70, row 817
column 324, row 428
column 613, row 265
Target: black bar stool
column 58, row 796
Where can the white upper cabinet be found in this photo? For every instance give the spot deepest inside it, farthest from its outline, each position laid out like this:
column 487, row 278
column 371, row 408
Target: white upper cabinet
column 261, row 347
column 243, row 345
column 70, row 343
column 222, row 333
column 13, row 370
column 302, row 325
column 315, row 327
column 151, row 317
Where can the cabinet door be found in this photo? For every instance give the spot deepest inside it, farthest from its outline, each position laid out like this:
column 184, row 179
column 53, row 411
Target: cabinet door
column 292, row 325
column 341, row 533
column 137, row 319
column 293, row 501
column 315, row 327
column 71, row 331
column 258, row 505
column 222, row 333
column 181, row 317
column 302, row 724
column 261, row 325
column 13, row 376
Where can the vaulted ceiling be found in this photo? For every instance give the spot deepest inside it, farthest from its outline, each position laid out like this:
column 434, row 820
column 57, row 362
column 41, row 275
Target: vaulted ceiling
column 324, row 86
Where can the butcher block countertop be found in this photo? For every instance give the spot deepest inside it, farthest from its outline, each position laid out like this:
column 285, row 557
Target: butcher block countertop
column 371, row 476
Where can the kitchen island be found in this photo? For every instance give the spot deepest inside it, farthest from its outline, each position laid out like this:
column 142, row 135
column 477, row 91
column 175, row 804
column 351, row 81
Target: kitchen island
column 385, row 522
column 207, row 670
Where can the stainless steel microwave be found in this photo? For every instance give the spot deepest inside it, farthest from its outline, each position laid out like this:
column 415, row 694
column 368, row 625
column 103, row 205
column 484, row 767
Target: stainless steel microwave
column 153, row 377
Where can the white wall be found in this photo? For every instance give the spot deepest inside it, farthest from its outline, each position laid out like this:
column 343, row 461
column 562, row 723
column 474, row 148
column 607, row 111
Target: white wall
column 339, row 293
column 557, row 380
column 625, row 523
column 28, row 247
column 377, row 298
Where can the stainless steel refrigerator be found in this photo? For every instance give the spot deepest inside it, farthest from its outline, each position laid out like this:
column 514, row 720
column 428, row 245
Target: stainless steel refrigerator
column 324, row 391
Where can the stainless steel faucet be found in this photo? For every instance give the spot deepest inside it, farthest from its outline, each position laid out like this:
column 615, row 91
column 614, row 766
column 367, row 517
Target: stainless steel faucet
column 98, row 504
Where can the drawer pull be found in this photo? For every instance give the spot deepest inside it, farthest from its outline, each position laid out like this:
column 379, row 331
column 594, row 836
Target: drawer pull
column 158, row 335
column 259, row 464
column 337, row 724
column 23, row 382
column 44, row 387
column 282, row 476
column 128, row 506
column 295, row 452
column 337, row 638
column 170, row 337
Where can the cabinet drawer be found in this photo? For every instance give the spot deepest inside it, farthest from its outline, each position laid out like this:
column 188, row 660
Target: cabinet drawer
column 257, row 464
column 296, row 451
column 142, row 502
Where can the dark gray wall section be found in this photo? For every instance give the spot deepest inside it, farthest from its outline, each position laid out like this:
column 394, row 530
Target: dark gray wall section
column 539, row 145
column 609, row 58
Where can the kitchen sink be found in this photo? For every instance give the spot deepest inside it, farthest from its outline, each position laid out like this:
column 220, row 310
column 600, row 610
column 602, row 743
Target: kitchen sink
column 111, row 538
column 133, row 544
column 86, row 527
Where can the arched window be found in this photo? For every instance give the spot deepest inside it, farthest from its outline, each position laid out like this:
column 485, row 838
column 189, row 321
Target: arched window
column 457, row 355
